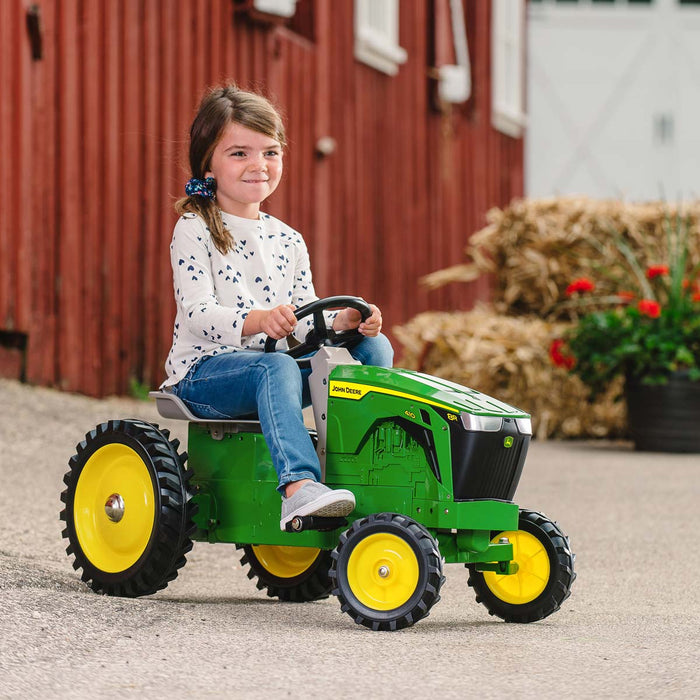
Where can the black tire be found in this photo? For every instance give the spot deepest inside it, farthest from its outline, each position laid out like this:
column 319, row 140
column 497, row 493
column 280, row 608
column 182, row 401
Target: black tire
column 391, row 581
column 546, row 574
column 294, row 574
column 137, row 547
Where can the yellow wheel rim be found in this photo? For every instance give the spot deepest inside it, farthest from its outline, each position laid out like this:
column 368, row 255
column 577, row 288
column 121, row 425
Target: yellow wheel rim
column 115, row 473
column 533, row 570
column 383, row 571
column 285, row 562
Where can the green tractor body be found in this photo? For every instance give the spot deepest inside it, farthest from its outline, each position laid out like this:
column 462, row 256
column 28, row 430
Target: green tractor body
column 401, row 441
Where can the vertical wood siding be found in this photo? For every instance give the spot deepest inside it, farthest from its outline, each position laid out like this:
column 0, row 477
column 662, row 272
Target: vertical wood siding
column 93, row 154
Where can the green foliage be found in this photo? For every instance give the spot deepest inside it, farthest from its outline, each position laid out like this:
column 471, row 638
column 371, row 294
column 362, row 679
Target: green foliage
column 138, row 390
column 624, row 341
column 649, row 333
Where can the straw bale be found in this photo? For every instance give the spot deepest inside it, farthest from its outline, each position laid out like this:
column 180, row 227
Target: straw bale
column 534, row 248
column 507, row 358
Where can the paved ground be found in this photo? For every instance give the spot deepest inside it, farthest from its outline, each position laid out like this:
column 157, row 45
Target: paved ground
column 631, row 628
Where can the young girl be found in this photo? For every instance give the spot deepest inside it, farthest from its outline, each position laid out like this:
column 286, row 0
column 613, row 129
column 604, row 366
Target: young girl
column 238, row 276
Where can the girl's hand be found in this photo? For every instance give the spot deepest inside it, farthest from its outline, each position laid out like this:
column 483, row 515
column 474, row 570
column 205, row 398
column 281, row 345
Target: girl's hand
column 279, row 322
column 350, row 318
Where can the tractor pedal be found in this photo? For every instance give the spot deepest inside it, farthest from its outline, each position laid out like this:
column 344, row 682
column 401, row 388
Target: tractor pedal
column 314, row 522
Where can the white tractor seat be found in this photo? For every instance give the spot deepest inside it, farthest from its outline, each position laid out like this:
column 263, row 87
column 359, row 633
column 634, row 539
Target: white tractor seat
column 171, row 406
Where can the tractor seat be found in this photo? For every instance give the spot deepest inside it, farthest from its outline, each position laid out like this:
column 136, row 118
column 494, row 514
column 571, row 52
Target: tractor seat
column 171, row 406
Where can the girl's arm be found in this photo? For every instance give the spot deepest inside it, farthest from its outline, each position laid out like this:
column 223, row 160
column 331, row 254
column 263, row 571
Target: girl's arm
column 194, row 287
column 349, row 318
column 277, row 323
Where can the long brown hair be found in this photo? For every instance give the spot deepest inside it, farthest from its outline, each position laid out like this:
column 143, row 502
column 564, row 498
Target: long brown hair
column 220, row 107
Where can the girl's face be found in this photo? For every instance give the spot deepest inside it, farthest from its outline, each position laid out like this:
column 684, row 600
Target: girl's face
column 247, row 166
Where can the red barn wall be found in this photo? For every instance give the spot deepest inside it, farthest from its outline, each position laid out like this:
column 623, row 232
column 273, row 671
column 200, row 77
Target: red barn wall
column 93, row 126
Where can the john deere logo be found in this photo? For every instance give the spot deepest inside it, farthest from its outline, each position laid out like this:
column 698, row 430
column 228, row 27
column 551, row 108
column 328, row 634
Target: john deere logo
column 508, row 442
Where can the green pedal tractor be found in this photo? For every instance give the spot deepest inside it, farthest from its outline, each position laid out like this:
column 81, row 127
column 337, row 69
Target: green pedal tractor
column 433, row 465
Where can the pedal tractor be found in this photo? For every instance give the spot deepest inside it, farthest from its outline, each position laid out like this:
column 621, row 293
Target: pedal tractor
column 433, row 465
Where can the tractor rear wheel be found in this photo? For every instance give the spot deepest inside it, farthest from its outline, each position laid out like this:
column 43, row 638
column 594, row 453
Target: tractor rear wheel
column 296, row 574
column 387, row 571
column 544, row 577
column 128, row 511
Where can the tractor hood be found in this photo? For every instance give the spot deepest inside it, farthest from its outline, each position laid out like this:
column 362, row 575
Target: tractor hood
column 356, row 381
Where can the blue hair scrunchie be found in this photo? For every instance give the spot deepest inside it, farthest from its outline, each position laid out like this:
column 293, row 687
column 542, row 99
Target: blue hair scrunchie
column 204, row 188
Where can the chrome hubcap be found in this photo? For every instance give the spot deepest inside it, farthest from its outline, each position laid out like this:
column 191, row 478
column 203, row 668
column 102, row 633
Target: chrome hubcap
column 114, row 507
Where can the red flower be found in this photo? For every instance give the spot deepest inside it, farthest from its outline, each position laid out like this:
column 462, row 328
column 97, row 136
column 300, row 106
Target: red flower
column 692, row 288
column 626, row 297
column 656, row 271
column 582, row 284
column 650, row 308
column 558, row 357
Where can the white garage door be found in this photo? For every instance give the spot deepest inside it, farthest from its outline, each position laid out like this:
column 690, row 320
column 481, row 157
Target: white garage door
column 613, row 98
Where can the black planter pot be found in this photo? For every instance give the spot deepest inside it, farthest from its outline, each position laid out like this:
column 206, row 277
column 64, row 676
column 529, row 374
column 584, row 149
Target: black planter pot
column 666, row 417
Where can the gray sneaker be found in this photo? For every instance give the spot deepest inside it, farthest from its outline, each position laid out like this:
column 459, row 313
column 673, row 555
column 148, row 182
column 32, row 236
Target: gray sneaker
column 317, row 499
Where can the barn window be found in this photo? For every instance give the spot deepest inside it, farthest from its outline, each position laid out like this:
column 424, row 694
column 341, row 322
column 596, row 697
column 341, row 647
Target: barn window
column 508, row 58
column 283, row 8
column 266, row 11
column 377, row 35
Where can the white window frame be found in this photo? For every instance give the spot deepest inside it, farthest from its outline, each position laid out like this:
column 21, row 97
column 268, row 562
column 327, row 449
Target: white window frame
column 508, row 66
column 377, row 35
column 282, row 8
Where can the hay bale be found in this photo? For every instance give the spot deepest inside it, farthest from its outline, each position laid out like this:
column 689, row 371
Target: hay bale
column 535, row 247
column 508, row 358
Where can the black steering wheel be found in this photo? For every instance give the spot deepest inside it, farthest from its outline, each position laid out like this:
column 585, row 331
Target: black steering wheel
column 319, row 335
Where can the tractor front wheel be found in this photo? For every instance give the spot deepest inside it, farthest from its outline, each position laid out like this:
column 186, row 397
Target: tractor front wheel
column 387, row 571
column 296, row 574
column 544, row 577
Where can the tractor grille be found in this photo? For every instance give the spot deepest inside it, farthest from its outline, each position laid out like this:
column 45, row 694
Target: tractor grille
column 482, row 467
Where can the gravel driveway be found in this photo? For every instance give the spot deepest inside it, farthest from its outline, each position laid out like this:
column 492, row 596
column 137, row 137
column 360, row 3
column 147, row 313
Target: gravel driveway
column 630, row 629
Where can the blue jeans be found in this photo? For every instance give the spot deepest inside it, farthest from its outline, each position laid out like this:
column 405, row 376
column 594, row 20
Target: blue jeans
column 238, row 384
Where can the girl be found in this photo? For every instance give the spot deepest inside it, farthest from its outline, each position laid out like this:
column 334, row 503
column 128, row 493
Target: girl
column 238, row 276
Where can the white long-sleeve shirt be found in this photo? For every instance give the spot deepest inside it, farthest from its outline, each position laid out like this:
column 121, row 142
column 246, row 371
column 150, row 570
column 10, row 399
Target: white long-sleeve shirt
column 214, row 292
